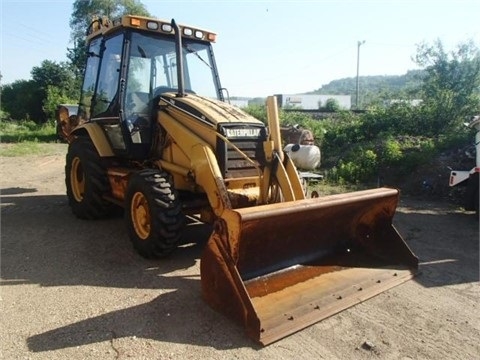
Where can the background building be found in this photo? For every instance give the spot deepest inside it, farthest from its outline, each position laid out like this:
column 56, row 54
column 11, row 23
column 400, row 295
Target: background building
column 312, row 101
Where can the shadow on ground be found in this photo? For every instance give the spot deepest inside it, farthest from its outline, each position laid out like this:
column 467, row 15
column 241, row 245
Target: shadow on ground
column 44, row 244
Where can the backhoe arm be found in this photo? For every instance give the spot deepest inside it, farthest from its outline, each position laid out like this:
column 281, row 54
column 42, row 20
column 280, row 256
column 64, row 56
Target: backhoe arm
column 280, row 171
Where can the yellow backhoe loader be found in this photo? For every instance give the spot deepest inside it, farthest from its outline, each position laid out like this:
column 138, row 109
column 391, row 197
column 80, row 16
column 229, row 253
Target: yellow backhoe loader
column 153, row 134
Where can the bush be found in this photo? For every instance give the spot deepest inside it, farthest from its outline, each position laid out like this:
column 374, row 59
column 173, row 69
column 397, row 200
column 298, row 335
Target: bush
column 332, row 105
column 257, row 111
column 417, row 151
column 361, row 148
column 288, row 118
column 27, row 130
column 305, row 121
column 392, row 151
column 362, row 168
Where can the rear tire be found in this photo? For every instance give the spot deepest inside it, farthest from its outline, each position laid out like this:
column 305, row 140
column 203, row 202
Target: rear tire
column 86, row 181
column 153, row 214
column 471, row 195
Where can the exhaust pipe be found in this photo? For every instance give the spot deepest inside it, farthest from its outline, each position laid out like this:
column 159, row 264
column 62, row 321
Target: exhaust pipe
column 179, row 54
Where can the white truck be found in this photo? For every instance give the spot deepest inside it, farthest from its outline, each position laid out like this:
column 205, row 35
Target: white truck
column 470, row 178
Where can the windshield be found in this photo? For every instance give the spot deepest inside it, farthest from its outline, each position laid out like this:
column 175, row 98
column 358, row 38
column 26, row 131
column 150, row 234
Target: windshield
column 153, row 67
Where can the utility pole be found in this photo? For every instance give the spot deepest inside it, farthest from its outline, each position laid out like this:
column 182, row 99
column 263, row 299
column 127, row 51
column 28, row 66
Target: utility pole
column 358, row 71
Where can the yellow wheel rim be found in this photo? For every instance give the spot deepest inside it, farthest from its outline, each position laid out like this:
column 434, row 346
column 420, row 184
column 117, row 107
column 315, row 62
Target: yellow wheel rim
column 77, row 179
column 140, row 214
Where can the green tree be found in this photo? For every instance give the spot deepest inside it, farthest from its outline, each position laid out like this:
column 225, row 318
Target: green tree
column 22, row 100
column 83, row 13
column 451, row 83
column 55, row 96
column 36, row 99
column 55, row 84
column 50, row 73
column 332, row 105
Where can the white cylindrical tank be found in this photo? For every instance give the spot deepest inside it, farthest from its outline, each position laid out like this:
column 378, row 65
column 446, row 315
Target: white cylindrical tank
column 305, row 157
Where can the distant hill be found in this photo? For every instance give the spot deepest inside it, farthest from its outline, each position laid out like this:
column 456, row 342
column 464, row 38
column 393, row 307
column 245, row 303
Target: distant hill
column 373, row 86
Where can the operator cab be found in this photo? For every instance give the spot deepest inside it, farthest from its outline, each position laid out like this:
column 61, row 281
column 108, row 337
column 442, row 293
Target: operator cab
column 130, row 63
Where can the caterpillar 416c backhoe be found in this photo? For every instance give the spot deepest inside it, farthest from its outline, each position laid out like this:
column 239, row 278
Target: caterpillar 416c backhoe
column 154, row 136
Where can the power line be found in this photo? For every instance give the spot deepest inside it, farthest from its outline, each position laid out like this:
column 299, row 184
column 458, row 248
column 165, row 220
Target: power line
column 36, row 31
column 33, row 45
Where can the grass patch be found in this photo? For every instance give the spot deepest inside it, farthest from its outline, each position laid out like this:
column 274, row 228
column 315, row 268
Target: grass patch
column 29, row 131
column 325, row 188
column 24, row 138
column 29, row 148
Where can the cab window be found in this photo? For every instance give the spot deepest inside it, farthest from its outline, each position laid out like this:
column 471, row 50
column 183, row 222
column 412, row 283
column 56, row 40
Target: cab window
column 106, row 102
column 90, row 79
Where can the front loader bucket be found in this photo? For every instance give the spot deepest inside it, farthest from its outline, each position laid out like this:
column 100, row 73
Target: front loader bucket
column 279, row 268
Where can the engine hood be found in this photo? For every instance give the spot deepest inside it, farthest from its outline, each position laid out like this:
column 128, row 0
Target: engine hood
column 212, row 111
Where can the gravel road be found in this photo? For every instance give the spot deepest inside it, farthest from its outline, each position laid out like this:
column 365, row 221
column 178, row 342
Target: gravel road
column 73, row 289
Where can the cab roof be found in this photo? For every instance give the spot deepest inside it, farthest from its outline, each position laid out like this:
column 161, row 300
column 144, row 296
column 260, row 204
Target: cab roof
column 103, row 26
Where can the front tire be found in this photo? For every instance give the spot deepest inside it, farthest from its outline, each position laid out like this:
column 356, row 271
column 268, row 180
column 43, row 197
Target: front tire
column 86, row 181
column 153, row 214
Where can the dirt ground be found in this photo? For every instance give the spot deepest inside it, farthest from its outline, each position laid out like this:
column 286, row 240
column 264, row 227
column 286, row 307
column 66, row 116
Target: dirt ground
column 76, row 289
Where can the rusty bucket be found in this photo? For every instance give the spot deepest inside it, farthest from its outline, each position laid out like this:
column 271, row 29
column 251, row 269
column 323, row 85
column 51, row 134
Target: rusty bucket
column 279, row 268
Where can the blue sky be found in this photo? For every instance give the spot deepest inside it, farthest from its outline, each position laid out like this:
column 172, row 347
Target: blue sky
column 265, row 47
